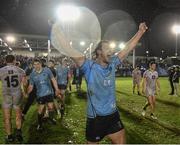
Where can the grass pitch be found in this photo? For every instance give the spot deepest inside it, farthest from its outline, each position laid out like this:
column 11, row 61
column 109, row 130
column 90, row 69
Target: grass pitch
column 144, row 130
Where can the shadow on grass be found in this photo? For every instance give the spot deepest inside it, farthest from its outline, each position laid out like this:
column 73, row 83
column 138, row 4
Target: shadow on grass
column 51, row 134
column 166, row 126
column 68, row 99
column 123, row 93
column 81, row 95
column 134, row 136
column 137, row 119
column 173, row 104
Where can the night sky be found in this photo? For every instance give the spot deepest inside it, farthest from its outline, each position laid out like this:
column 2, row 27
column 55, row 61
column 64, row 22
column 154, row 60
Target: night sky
column 31, row 17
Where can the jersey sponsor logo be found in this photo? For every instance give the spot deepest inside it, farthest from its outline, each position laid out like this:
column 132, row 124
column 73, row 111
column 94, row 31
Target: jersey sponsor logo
column 107, row 83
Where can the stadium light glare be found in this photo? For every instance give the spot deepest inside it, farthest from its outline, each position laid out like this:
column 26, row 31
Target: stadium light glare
column 71, row 43
column 147, row 52
column 10, row 48
column 176, row 29
column 30, row 49
column 82, row 43
column 25, row 41
column 28, row 45
column 68, row 13
column 10, row 39
column 122, row 45
column 0, row 39
column 112, row 45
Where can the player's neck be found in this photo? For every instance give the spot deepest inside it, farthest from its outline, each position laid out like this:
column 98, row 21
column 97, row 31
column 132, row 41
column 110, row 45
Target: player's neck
column 39, row 71
column 151, row 70
column 101, row 62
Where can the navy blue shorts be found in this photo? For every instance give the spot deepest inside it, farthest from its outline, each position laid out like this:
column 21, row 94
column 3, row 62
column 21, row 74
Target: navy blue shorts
column 62, row 86
column 97, row 128
column 45, row 99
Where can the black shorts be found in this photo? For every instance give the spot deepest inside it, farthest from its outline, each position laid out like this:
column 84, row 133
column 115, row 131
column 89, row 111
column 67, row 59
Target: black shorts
column 97, row 128
column 45, row 99
column 62, row 86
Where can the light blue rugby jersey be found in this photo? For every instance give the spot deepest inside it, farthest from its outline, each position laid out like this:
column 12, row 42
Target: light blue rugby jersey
column 101, row 87
column 42, row 81
column 62, row 75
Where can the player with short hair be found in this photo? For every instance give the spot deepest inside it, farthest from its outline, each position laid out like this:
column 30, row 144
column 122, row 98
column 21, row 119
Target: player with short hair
column 12, row 78
column 62, row 80
column 41, row 78
column 150, row 84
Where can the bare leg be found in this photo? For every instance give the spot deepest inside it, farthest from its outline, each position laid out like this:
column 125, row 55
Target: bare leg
column 7, row 120
column 118, row 137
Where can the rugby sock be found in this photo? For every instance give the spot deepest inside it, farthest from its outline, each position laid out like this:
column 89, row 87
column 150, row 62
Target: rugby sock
column 51, row 114
column 40, row 116
column 145, row 107
column 151, row 114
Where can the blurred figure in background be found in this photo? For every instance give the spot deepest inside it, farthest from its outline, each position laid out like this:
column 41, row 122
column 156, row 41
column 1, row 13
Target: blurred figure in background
column 175, row 80
column 136, row 75
column 171, row 73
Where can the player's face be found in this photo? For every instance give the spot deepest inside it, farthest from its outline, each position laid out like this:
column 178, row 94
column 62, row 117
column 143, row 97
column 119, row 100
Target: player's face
column 106, row 52
column 153, row 66
column 64, row 63
column 37, row 66
column 51, row 64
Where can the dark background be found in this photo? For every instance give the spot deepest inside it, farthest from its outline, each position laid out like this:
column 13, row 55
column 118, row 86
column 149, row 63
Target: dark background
column 31, row 17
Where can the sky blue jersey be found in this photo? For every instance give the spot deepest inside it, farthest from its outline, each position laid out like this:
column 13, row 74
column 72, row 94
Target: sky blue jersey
column 62, row 75
column 42, row 81
column 101, row 87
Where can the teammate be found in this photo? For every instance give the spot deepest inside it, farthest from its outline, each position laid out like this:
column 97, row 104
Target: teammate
column 77, row 78
column 32, row 95
column 62, row 80
column 41, row 78
column 136, row 74
column 12, row 78
column 102, row 115
column 150, row 84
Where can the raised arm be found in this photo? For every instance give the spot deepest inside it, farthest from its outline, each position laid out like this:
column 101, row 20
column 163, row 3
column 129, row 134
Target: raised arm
column 130, row 45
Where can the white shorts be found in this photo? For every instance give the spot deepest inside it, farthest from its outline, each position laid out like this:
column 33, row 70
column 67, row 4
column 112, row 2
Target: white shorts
column 150, row 92
column 10, row 102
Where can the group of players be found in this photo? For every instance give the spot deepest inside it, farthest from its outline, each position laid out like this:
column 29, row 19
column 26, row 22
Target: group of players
column 46, row 84
column 103, row 118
